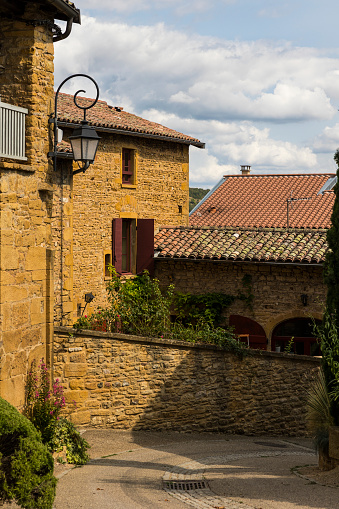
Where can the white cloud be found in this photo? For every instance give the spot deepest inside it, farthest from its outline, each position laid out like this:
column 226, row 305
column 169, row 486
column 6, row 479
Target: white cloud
column 216, row 90
column 202, row 77
column 181, row 7
column 229, row 145
column 328, row 140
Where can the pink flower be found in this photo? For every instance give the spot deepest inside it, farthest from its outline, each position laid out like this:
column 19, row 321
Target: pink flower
column 85, row 316
column 51, row 412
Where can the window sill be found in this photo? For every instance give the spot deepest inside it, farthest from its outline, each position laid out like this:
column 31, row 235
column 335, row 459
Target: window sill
column 129, row 186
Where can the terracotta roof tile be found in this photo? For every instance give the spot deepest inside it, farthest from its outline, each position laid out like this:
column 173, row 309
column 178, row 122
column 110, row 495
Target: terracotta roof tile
column 115, row 118
column 239, row 244
column 261, row 201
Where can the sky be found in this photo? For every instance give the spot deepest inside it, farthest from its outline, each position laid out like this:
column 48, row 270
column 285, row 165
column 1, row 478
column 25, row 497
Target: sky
column 256, row 80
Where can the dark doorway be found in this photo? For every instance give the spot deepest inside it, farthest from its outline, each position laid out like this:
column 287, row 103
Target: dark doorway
column 301, row 331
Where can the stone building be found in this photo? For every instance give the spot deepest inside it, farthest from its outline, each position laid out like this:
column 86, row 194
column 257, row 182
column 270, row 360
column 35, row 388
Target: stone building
column 261, row 239
column 138, row 182
column 27, row 33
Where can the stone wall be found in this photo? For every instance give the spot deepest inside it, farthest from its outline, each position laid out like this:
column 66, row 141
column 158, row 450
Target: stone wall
column 138, row 383
column 276, row 288
column 98, row 196
column 26, row 294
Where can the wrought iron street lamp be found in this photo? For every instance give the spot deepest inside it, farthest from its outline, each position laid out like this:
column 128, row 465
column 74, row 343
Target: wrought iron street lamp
column 84, row 139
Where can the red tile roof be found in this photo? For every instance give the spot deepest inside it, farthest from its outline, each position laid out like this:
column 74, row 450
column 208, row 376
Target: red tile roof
column 110, row 118
column 261, row 201
column 237, row 244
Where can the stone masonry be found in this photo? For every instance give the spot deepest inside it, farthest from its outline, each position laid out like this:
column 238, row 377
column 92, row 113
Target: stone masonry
column 92, row 200
column 276, row 288
column 128, row 382
column 26, row 316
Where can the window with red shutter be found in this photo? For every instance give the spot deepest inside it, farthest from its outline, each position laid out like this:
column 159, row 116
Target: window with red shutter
column 145, row 245
column 124, row 245
column 133, row 245
column 127, row 166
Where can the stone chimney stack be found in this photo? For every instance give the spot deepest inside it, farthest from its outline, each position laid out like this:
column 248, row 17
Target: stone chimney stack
column 245, row 169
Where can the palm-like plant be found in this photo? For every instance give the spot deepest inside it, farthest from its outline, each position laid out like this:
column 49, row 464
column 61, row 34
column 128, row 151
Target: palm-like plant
column 319, row 418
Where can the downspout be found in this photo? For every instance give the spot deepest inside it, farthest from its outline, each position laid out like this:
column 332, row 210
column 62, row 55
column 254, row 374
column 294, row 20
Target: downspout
column 66, row 33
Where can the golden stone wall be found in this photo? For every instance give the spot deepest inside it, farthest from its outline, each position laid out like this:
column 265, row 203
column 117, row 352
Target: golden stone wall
column 276, row 288
column 26, row 286
column 98, row 196
column 126, row 382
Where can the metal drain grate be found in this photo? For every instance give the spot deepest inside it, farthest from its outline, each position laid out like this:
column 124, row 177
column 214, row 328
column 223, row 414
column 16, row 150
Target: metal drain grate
column 185, row 485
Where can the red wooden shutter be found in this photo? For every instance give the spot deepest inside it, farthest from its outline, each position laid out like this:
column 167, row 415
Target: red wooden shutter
column 145, row 245
column 117, row 244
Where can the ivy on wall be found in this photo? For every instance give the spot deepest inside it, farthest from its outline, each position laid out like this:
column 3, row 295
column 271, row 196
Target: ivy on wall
column 190, row 308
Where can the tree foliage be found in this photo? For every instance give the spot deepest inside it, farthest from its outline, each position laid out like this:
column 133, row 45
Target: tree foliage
column 331, row 269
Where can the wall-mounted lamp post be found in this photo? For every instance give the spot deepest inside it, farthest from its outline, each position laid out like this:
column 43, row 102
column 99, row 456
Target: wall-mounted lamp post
column 84, row 139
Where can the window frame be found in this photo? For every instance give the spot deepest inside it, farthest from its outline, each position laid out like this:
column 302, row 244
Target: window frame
column 128, row 167
column 140, row 247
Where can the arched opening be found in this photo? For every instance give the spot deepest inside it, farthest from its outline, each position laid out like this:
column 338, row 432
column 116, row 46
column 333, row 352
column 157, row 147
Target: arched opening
column 249, row 331
column 301, row 331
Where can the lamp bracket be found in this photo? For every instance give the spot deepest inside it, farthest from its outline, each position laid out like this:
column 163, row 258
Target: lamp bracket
column 54, row 119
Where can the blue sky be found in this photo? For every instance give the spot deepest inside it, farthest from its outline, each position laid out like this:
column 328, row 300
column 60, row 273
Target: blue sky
column 256, row 80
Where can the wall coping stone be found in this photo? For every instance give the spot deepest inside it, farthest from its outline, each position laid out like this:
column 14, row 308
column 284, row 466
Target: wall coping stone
column 69, row 331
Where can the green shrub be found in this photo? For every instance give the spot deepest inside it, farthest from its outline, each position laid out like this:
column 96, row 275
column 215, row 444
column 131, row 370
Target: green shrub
column 138, row 306
column 63, row 434
column 26, row 465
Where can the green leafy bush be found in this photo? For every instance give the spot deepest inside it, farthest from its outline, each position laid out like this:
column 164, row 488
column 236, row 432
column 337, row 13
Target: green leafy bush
column 138, row 306
column 63, row 434
column 26, row 465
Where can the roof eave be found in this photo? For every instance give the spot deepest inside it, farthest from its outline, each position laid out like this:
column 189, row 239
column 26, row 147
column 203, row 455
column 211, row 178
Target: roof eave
column 228, row 260
column 66, row 9
column 198, row 144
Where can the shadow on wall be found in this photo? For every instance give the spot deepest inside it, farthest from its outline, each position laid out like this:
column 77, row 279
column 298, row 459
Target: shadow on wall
column 218, row 391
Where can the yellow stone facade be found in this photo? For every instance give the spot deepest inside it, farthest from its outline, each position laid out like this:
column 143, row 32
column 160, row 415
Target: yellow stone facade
column 26, row 287
column 92, row 200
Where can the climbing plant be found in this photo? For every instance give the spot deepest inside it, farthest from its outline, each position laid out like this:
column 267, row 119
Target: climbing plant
column 139, row 306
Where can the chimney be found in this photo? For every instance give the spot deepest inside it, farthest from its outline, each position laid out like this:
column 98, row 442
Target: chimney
column 245, row 169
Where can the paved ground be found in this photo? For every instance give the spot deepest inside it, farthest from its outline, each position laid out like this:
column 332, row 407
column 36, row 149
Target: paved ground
column 139, row 470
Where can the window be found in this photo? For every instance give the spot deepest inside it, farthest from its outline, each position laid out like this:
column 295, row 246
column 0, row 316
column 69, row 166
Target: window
column 128, row 166
column 133, row 245
column 12, row 131
column 107, row 263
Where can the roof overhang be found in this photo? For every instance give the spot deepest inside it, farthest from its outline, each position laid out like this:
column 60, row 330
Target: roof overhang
column 61, row 9
column 65, row 10
column 225, row 260
column 112, row 130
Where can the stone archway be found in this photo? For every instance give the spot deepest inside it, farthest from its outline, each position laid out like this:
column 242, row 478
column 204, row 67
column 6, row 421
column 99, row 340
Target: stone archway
column 249, row 331
column 300, row 329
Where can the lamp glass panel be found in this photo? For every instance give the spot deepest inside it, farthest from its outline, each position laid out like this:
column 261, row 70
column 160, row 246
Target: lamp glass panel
column 89, row 146
column 76, row 147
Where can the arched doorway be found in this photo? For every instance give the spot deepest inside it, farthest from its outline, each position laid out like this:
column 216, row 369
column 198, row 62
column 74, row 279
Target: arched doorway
column 301, row 330
column 249, row 331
